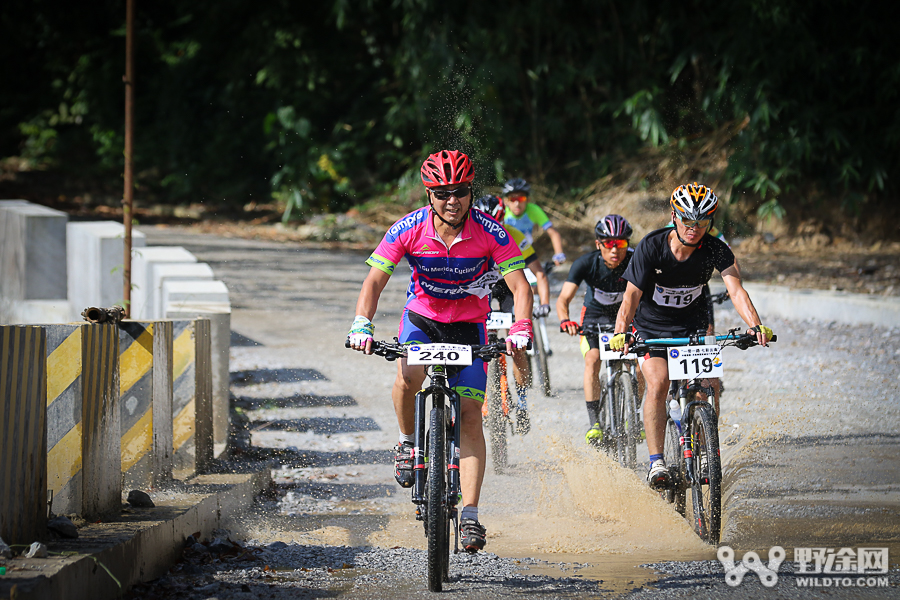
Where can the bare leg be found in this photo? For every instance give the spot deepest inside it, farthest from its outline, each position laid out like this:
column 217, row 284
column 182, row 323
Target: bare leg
column 408, row 382
column 657, row 375
column 592, row 364
column 472, row 452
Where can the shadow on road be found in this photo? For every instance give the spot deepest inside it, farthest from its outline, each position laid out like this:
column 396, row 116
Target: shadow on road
column 276, row 376
column 318, row 425
column 292, row 401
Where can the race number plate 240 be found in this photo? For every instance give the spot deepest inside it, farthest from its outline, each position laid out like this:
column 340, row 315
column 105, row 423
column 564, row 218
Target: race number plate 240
column 689, row 362
column 612, row 354
column 439, row 354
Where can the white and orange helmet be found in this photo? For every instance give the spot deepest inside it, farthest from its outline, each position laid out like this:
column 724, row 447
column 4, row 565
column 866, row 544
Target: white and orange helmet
column 694, row 202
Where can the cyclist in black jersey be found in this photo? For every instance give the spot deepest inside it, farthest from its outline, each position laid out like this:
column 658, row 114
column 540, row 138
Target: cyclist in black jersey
column 602, row 271
column 663, row 298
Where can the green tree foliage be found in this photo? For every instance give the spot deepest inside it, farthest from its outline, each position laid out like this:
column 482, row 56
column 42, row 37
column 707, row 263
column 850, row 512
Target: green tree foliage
column 323, row 104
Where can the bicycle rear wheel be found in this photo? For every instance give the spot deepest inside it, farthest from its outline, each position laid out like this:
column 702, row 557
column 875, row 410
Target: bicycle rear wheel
column 437, row 517
column 628, row 428
column 496, row 419
column 675, row 493
column 540, row 351
column 706, row 489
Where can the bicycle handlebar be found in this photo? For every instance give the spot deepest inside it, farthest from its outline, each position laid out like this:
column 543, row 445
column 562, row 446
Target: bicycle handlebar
column 394, row 350
column 591, row 329
column 741, row 342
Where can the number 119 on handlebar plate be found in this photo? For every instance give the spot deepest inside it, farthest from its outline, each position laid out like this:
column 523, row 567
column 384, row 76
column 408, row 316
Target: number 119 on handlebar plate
column 689, row 362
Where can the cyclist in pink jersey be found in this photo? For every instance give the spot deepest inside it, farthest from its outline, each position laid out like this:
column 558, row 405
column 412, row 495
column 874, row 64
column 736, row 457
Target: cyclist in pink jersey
column 451, row 250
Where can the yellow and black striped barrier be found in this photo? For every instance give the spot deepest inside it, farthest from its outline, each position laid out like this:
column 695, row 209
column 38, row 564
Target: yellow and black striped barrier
column 145, row 383
column 83, row 421
column 192, row 396
column 23, row 434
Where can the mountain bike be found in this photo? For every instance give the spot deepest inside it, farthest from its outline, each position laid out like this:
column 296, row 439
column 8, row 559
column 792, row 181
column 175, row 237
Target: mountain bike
column 619, row 401
column 541, row 345
column 496, row 407
column 436, row 490
column 691, row 447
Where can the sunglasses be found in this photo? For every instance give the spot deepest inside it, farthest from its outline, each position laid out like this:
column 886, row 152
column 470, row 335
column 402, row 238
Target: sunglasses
column 614, row 243
column 460, row 192
column 517, row 199
column 689, row 223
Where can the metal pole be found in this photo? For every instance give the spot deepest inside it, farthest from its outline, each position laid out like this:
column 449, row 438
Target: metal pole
column 128, row 199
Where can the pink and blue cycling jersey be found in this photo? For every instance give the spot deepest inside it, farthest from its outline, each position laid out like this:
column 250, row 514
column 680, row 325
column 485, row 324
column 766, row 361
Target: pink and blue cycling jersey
column 445, row 282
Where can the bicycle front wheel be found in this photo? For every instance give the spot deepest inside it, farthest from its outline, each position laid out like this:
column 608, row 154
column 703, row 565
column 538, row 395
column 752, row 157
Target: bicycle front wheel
column 706, row 488
column 627, row 427
column 496, row 419
column 675, row 493
column 540, row 351
column 437, row 517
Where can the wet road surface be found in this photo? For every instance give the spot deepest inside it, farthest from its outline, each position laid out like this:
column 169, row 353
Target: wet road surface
column 809, row 433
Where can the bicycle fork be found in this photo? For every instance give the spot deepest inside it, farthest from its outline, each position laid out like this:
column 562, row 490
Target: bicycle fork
column 420, row 464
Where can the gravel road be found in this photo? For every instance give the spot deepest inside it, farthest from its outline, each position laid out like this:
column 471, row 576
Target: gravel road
column 810, row 443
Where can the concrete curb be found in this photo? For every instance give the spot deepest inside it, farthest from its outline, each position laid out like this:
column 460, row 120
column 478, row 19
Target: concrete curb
column 138, row 545
column 822, row 305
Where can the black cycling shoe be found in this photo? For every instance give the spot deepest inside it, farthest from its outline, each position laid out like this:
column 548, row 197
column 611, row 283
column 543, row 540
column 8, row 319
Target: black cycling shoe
column 472, row 535
column 523, row 423
column 403, row 464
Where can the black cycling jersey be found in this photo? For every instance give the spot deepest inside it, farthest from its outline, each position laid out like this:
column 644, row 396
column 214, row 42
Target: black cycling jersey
column 672, row 299
column 605, row 285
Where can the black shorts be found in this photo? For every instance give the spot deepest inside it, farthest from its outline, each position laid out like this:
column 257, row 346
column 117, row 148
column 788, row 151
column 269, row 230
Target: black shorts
column 593, row 317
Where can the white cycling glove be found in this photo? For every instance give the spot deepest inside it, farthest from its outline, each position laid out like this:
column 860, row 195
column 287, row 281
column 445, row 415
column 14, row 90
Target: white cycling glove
column 559, row 258
column 542, row 311
column 521, row 333
column 361, row 331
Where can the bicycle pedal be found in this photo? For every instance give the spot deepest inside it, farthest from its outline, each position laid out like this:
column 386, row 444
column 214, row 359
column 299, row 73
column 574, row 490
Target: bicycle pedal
column 420, row 514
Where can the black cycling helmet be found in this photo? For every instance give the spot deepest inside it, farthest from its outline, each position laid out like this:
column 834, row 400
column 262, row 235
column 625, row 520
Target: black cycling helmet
column 516, row 186
column 613, row 226
column 492, row 205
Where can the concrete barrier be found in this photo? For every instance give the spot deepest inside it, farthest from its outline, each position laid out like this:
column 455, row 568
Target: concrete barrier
column 23, row 434
column 84, row 458
column 192, row 397
column 145, row 383
column 141, row 271
column 32, row 262
column 94, row 260
column 163, row 272
column 219, row 316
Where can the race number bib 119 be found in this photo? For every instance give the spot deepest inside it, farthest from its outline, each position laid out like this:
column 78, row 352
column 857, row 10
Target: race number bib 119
column 612, row 354
column 439, row 354
column 690, row 362
column 608, row 298
column 675, row 297
column 499, row 320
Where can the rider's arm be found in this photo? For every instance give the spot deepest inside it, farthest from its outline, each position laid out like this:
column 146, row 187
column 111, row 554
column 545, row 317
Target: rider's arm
column 522, row 297
column 367, row 303
column 630, row 300
column 556, row 241
column 566, row 296
column 741, row 300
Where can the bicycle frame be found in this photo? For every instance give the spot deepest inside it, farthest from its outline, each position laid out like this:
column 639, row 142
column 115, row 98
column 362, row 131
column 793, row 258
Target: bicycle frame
column 440, row 394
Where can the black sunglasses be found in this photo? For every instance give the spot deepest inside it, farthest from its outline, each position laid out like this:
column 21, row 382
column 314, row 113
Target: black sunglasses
column 460, row 192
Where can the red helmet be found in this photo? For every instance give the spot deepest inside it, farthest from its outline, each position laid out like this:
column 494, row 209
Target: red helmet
column 447, row 167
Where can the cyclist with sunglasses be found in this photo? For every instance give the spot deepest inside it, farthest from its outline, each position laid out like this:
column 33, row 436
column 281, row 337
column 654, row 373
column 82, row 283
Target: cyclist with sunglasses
column 448, row 247
column 602, row 271
column 525, row 216
column 663, row 298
